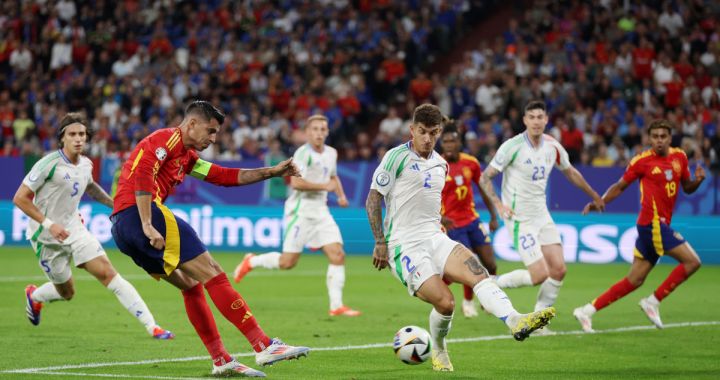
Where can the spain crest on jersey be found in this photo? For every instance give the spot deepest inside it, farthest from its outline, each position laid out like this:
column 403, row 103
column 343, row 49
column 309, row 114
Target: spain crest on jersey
column 668, row 175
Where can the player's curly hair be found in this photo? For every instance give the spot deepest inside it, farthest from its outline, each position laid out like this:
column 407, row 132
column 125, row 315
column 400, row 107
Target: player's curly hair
column 69, row 119
column 205, row 110
column 449, row 125
column 428, row 114
column 659, row 123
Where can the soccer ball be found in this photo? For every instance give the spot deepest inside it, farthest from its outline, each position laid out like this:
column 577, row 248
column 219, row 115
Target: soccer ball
column 412, row 345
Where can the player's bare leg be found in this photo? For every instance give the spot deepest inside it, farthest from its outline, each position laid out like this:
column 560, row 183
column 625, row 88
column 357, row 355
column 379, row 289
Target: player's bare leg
column 270, row 260
column 233, row 307
column 487, row 258
column 554, row 272
column 689, row 263
column 101, row 268
column 464, row 267
column 435, row 292
column 639, row 271
column 335, row 280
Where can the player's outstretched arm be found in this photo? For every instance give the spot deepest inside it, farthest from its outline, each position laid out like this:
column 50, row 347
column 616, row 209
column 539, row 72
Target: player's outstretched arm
column 612, row 192
column 487, row 186
column 373, row 206
column 23, row 200
column 577, row 179
column 99, row 194
column 690, row 186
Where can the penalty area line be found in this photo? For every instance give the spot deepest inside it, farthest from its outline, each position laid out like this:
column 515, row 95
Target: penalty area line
column 55, row 370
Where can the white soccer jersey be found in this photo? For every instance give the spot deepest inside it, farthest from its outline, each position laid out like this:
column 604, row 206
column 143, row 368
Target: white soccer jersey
column 58, row 185
column 526, row 170
column 317, row 168
column 412, row 187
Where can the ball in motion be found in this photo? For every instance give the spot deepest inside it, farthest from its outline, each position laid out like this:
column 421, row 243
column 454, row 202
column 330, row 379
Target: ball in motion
column 412, row 345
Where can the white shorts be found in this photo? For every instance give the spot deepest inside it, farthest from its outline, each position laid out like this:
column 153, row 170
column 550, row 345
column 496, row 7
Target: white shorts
column 313, row 233
column 54, row 258
column 416, row 262
column 528, row 237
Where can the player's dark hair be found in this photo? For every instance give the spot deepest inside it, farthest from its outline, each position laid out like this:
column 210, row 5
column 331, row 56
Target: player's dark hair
column 429, row 115
column 69, row 119
column 659, row 123
column 206, row 110
column 535, row 105
column 449, row 126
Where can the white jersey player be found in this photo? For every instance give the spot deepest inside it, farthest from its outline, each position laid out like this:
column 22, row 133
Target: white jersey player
column 410, row 179
column 526, row 161
column 308, row 222
column 49, row 195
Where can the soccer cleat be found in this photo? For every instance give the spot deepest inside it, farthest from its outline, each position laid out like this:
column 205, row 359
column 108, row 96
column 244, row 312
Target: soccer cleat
column 544, row 331
column 344, row 311
column 652, row 311
column 584, row 319
column 527, row 323
column 441, row 361
column 162, row 334
column 243, row 268
column 277, row 350
column 469, row 310
column 32, row 308
column 234, row 367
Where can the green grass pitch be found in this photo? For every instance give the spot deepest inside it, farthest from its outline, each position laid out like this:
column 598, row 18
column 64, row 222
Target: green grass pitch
column 94, row 329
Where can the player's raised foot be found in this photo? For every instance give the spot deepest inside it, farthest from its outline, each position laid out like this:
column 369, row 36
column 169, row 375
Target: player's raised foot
column 344, row 311
column 234, row 368
column 584, row 319
column 277, row 351
column 544, row 331
column 441, row 361
column 652, row 310
column 162, row 334
column 243, row 268
column 469, row 310
column 32, row 308
column 527, row 323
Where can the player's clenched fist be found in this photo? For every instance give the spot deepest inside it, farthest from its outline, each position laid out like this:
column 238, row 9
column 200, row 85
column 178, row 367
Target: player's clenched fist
column 285, row 168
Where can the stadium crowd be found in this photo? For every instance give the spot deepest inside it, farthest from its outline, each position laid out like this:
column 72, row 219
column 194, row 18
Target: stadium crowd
column 605, row 70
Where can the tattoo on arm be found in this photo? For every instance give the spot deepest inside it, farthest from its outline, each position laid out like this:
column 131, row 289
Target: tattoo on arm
column 248, row 176
column 99, row 194
column 475, row 267
column 373, row 206
column 486, row 183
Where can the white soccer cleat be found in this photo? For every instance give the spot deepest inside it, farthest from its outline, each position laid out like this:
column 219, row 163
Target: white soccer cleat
column 468, row 308
column 234, row 367
column 441, row 361
column 652, row 311
column 584, row 319
column 277, row 351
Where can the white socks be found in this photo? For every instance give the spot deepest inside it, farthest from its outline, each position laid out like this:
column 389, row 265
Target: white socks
column 439, row 328
column 46, row 293
column 267, row 260
column 335, row 283
column 515, row 279
column 494, row 300
column 131, row 300
column 588, row 309
column 653, row 300
column 548, row 293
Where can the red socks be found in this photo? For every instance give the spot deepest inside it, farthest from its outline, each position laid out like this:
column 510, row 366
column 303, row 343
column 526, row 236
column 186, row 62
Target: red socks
column 675, row 278
column 468, row 293
column 201, row 318
column 233, row 307
column 617, row 291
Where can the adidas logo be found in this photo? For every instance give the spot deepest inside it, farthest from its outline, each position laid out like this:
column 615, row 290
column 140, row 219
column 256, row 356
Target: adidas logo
column 656, row 170
column 415, row 167
column 67, row 176
column 529, row 162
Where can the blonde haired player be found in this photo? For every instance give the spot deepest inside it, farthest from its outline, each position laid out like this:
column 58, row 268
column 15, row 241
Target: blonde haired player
column 307, row 217
column 50, row 195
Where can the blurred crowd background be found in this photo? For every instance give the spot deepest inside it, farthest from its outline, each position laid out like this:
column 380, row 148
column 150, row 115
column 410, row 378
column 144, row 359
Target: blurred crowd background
column 605, row 69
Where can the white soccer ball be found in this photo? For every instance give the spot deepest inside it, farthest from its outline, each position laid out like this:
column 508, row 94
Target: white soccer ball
column 412, row 345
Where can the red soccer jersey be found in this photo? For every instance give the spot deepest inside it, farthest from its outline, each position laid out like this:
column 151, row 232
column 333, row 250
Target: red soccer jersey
column 660, row 179
column 458, row 196
column 157, row 164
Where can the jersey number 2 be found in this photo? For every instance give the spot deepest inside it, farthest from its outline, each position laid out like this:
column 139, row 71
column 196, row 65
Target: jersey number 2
column 427, row 180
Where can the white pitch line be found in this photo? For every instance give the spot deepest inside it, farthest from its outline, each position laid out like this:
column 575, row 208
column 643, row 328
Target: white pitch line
column 81, row 374
column 137, row 277
column 49, row 370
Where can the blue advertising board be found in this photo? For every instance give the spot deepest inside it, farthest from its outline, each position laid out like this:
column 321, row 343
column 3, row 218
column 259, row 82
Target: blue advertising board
column 595, row 238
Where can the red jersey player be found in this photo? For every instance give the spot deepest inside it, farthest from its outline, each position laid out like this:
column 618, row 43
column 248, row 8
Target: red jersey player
column 167, row 247
column 459, row 216
column 661, row 171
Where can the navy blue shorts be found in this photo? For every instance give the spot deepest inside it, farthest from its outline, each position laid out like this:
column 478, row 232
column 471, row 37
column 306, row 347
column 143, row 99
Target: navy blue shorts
column 471, row 236
column 654, row 240
column 181, row 241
